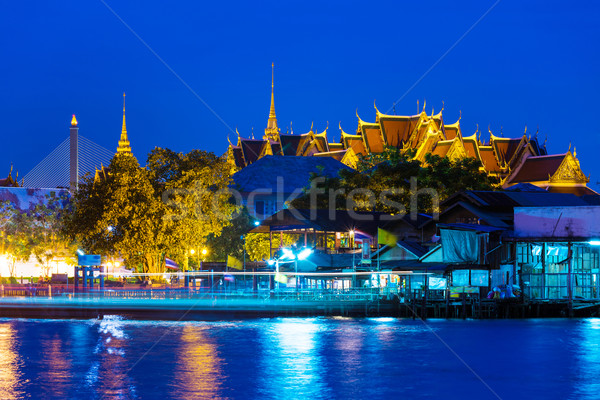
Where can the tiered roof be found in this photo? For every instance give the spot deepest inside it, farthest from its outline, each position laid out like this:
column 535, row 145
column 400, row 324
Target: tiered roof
column 512, row 160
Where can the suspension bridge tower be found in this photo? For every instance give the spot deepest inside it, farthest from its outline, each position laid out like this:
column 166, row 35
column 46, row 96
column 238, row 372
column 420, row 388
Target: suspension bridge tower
column 74, row 156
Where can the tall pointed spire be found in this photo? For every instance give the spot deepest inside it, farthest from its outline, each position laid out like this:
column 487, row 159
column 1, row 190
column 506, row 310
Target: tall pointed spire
column 124, row 146
column 272, row 131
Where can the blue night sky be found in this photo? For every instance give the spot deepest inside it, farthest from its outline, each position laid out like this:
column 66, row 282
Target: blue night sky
column 524, row 63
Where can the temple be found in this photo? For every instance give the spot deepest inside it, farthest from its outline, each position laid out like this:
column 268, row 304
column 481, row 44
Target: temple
column 124, row 146
column 511, row 160
column 9, row 181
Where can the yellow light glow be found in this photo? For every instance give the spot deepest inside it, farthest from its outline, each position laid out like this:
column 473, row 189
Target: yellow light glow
column 109, row 264
column 204, row 251
column 192, row 251
column 117, row 264
column 74, row 121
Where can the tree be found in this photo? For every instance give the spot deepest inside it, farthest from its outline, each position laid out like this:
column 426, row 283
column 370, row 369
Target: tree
column 15, row 241
column 46, row 232
column 393, row 182
column 231, row 240
column 120, row 213
column 194, row 188
column 146, row 214
column 257, row 244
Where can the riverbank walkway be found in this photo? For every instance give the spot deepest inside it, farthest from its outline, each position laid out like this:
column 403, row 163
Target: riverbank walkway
column 165, row 303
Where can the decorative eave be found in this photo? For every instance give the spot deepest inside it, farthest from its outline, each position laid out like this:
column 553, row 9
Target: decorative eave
column 364, row 126
column 454, row 126
column 346, row 137
column 473, row 140
column 321, row 138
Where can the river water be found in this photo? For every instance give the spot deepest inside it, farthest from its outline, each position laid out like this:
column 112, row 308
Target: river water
column 294, row 358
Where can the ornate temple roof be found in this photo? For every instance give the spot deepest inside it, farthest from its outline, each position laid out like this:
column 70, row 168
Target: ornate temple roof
column 9, row 181
column 513, row 160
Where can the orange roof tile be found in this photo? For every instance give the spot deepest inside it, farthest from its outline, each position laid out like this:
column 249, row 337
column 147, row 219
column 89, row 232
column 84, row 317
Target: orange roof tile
column 489, row 159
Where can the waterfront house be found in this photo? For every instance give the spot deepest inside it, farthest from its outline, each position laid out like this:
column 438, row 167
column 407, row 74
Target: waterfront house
column 558, row 251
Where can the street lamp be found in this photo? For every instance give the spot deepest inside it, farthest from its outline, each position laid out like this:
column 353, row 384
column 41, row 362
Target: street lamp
column 289, row 255
column 204, row 252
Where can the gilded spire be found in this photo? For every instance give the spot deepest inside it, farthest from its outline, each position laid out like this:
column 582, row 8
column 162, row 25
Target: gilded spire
column 124, row 146
column 272, row 109
column 272, row 131
column 124, row 128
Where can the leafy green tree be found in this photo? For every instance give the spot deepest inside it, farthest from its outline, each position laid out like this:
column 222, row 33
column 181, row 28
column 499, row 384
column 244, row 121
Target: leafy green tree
column 15, row 239
column 120, row 213
column 257, row 244
column 194, row 188
column 46, row 232
column 146, row 214
column 231, row 240
column 392, row 182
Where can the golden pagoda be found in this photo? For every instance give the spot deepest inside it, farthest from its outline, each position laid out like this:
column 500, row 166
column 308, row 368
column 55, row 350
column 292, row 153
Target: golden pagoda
column 124, row 146
column 272, row 131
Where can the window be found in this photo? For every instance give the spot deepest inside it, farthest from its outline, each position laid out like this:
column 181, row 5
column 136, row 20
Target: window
column 259, row 209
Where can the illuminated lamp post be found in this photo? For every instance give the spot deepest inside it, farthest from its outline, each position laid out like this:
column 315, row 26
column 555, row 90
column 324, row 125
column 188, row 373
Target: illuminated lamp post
column 290, row 256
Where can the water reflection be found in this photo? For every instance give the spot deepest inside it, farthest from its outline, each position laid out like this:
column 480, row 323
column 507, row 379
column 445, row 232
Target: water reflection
column 10, row 362
column 587, row 363
column 108, row 373
column 292, row 364
column 314, row 358
column 198, row 366
column 56, row 375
